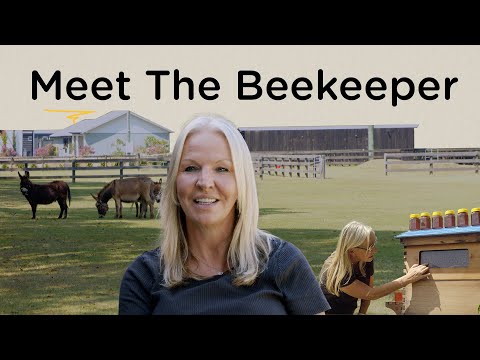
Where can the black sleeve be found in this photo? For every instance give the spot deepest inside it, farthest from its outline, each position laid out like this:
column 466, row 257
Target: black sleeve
column 298, row 283
column 136, row 285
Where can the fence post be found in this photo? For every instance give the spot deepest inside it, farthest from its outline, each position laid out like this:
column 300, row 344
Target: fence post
column 476, row 164
column 385, row 164
column 74, row 164
column 431, row 166
column 121, row 169
column 307, row 167
column 324, row 163
column 261, row 168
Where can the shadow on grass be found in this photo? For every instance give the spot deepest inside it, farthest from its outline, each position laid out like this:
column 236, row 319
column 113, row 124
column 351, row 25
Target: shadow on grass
column 76, row 268
column 273, row 211
column 68, row 266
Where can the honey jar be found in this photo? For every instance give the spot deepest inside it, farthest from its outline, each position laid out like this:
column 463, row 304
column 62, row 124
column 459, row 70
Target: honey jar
column 475, row 216
column 462, row 217
column 437, row 220
column 414, row 222
column 425, row 221
column 450, row 219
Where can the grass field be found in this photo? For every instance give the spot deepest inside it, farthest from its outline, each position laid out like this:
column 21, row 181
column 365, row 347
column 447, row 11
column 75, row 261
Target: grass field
column 74, row 266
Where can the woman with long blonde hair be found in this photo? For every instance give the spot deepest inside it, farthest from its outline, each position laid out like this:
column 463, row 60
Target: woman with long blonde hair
column 213, row 259
column 347, row 274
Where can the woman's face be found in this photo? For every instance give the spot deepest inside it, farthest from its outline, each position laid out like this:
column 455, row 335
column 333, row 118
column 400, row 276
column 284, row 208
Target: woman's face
column 367, row 250
column 206, row 186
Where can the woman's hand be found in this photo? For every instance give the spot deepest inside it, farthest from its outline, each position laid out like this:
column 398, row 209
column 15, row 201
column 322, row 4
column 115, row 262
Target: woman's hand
column 417, row 272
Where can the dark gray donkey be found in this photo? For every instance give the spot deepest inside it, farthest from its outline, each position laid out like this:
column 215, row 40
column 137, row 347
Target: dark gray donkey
column 45, row 194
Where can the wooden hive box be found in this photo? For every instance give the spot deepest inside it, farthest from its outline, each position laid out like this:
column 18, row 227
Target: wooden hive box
column 453, row 255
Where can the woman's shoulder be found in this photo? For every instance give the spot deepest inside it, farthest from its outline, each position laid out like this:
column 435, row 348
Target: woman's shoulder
column 149, row 259
column 283, row 250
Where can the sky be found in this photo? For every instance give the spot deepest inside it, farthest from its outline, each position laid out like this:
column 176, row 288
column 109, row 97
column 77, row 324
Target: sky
column 434, row 86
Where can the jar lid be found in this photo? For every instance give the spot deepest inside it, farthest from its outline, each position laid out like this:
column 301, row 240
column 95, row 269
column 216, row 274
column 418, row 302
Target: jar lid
column 449, row 212
column 414, row 216
column 475, row 209
column 463, row 210
column 425, row 214
column 439, row 213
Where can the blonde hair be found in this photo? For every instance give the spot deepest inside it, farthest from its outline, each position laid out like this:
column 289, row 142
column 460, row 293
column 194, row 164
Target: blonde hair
column 338, row 265
column 249, row 247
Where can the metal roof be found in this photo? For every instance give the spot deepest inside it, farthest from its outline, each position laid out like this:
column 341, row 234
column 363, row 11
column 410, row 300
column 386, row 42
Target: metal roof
column 86, row 125
column 442, row 231
column 332, row 127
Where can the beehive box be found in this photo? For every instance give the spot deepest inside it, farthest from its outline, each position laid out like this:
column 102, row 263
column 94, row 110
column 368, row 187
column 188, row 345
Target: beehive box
column 453, row 255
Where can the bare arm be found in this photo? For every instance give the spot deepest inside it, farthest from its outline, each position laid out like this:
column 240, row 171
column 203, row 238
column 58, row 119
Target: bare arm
column 363, row 291
column 364, row 304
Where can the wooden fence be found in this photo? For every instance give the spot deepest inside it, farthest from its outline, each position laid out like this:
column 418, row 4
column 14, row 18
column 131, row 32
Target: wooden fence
column 310, row 166
column 91, row 166
column 432, row 161
column 337, row 157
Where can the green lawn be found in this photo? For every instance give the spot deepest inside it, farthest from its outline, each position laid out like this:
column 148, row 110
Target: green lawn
column 74, row 266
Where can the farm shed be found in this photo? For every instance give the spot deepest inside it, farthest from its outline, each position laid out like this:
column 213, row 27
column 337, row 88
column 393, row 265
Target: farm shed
column 294, row 139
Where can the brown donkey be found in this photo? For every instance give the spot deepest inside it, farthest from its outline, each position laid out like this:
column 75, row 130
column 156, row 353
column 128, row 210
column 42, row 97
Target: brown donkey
column 155, row 195
column 125, row 190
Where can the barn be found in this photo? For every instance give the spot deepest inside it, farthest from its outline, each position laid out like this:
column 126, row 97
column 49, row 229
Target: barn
column 304, row 139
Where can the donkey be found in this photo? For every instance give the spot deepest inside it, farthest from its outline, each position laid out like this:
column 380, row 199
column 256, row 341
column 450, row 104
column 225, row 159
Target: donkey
column 124, row 190
column 155, row 195
column 45, row 194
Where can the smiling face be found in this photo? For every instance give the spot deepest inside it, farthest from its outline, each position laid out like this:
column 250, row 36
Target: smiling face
column 206, row 185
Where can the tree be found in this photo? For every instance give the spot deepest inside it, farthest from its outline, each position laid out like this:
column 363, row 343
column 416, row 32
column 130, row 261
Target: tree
column 154, row 146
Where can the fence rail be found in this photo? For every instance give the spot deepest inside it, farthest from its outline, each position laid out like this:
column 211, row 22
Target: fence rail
column 432, row 161
column 337, row 157
column 72, row 165
column 274, row 164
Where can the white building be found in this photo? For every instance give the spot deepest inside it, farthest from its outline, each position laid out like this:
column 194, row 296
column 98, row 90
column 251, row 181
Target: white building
column 120, row 131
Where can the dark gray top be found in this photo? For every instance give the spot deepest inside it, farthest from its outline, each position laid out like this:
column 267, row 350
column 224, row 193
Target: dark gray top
column 287, row 286
column 346, row 304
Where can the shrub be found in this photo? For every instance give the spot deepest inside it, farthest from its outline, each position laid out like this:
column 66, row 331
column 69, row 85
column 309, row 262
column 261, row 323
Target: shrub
column 9, row 152
column 153, row 146
column 47, row 150
column 86, row 150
